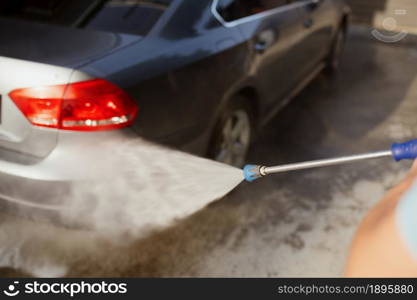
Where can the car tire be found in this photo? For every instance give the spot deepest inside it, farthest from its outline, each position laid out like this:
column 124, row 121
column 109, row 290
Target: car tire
column 334, row 58
column 233, row 133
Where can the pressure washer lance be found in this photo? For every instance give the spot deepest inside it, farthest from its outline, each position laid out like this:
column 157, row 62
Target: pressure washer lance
column 399, row 152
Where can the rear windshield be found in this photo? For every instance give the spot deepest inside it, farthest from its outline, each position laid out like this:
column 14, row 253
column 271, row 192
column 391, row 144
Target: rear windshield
column 122, row 16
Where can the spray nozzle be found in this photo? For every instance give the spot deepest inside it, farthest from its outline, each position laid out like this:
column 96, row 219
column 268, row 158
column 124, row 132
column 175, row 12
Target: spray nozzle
column 253, row 172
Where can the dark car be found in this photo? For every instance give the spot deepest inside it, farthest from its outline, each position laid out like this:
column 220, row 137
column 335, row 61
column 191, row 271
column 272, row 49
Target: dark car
column 200, row 75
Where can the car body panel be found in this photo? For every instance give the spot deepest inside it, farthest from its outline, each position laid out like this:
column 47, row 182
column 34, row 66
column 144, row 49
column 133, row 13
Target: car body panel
column 16, row 132
column 319, row 27
column 279, row 32
column 196, row 54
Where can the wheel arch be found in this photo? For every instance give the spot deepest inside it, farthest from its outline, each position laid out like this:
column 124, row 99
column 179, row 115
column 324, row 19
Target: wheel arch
column 251, row 95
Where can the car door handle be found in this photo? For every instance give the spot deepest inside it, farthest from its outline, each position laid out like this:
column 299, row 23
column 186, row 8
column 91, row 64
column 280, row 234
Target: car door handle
column 265, row 39
column 261, row 46
column 308, row 23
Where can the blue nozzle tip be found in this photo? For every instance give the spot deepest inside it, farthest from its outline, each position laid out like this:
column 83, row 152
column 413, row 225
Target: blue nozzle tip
column 251, row 172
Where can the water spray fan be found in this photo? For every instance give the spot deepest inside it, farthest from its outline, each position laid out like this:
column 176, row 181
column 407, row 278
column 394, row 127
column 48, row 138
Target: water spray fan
column 398, row 152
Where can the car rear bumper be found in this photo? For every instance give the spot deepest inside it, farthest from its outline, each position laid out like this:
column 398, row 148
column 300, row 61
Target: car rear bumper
column 81, row 161
column 48, row 183
column 37, row 193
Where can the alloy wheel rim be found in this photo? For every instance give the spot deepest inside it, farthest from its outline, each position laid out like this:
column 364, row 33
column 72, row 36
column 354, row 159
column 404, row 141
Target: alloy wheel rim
column 235, row 139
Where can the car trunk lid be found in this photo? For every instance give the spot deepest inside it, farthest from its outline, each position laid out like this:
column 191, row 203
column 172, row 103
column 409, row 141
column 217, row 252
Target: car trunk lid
column 56, row 45
column 16, row 133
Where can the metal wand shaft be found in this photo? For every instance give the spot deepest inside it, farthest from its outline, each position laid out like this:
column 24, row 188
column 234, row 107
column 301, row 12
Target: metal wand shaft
column 323, row 162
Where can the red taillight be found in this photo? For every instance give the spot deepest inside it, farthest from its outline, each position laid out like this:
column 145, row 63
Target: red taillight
column 85, row 106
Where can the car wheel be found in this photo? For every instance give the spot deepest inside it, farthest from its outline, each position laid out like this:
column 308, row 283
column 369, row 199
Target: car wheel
column 336, row 52
column 232, row 134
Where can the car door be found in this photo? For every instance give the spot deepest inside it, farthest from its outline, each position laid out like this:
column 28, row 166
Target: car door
column 273, row 32
column 318, row 22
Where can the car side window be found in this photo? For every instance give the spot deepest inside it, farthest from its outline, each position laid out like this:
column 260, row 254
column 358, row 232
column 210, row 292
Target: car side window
column 231, row 10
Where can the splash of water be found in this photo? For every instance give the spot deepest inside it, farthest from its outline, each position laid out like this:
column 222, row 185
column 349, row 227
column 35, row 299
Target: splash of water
column 143, row 186
column 138, row 187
